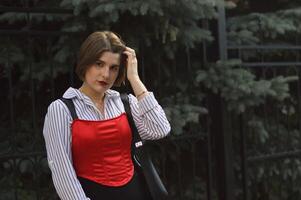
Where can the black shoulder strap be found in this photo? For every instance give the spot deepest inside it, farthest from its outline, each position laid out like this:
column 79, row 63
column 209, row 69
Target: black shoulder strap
column 142, row 158
column 136, row 137
column 69, row 103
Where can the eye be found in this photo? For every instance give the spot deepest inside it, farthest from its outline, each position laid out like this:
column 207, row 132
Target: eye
column 99, row 63
column 115, row 67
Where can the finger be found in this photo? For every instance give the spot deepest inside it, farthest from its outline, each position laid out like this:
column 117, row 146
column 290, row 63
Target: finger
column 131, row 50
column 130, row 54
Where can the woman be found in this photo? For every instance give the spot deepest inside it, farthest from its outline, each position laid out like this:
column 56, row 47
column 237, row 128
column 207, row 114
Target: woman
column 90, row 157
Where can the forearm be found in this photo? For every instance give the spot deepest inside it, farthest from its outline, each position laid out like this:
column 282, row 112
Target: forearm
column 149, row 117
column 138, row 87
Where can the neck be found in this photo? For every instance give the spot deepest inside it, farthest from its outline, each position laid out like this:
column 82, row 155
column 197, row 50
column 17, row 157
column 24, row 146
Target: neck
column 95, row 97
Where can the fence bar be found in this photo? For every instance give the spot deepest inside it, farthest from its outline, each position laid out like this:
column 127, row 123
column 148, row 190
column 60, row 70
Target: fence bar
column 268, row 47
column 38, row 32
column 222, row 33
column 270, row 64
column 209, row 160
column 36, row 10
column 286, row 154
column 222, row 137
column 243, row 147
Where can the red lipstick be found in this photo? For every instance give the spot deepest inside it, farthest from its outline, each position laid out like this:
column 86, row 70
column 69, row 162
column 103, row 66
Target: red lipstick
column 103, row 83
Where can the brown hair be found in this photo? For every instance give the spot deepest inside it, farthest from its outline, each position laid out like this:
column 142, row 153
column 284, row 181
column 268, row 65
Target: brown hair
column 92, row 48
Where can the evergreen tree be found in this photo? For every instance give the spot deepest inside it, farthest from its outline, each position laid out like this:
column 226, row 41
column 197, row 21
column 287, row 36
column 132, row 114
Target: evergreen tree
column 168, row 36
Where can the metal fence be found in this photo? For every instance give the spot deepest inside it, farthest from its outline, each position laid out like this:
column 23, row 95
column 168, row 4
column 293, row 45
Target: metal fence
column 217, row 163
column 266, row 167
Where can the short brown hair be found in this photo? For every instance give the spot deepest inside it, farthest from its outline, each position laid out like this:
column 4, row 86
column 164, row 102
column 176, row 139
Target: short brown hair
column 92, row 48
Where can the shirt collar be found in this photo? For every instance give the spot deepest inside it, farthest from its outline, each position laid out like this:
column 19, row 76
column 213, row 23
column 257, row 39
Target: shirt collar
column 75, row 93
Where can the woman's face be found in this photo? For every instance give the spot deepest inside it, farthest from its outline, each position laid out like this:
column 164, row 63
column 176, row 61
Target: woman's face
column 102, row 75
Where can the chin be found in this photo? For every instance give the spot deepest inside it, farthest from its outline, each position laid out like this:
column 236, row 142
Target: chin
column 99, row 90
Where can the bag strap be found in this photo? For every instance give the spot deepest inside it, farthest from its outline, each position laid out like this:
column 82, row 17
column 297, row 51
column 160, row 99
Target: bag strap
column 137, row 141
column 155, row 185
column 70, row 105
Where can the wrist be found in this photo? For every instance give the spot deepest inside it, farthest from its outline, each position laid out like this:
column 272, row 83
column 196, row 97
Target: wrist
column 134, row 78
column 142, row 94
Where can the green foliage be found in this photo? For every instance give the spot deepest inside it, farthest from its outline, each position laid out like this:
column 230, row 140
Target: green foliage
column 268, row 178
column 169, row 24
column 169, row 27
column 239, row 87
column 158, row 30
column 272, row 127
column 162, row 31
column 259, row 129
column 180, row 111
column 257, row 28
column 10, row 52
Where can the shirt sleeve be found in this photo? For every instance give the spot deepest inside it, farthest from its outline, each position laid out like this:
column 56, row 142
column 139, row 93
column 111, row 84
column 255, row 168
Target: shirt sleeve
column 149, row 117
column 57, row 137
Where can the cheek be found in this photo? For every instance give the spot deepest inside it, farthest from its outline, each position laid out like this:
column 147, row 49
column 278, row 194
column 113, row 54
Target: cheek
column 90, row 74
column 87, row 76
column 89, row 79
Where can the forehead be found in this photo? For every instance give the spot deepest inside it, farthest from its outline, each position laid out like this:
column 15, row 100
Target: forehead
column 110, row 57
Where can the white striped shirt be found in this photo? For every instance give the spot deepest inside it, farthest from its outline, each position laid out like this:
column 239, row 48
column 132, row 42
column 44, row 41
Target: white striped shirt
column 148, row 116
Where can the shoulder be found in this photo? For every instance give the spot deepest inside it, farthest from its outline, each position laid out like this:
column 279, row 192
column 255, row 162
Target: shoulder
column 132, row 99
column 57, row 106
column 117, row 96
column 112, row 93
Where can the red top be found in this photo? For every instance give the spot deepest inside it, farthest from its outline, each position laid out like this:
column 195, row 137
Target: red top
column 101, row 150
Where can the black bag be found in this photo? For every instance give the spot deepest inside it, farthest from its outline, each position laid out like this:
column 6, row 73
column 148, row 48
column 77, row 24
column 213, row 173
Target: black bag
column 142, row 158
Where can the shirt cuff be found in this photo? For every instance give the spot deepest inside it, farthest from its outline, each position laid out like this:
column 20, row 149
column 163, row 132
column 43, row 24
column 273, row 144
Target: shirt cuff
column 147, row 103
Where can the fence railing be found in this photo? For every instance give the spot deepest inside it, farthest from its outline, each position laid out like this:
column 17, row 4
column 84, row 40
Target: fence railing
column 196, row 166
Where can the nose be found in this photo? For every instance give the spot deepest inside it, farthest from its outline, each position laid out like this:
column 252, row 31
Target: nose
column 106, row 72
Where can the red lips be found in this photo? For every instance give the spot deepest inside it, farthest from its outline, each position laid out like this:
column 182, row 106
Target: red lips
column 103, row 83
